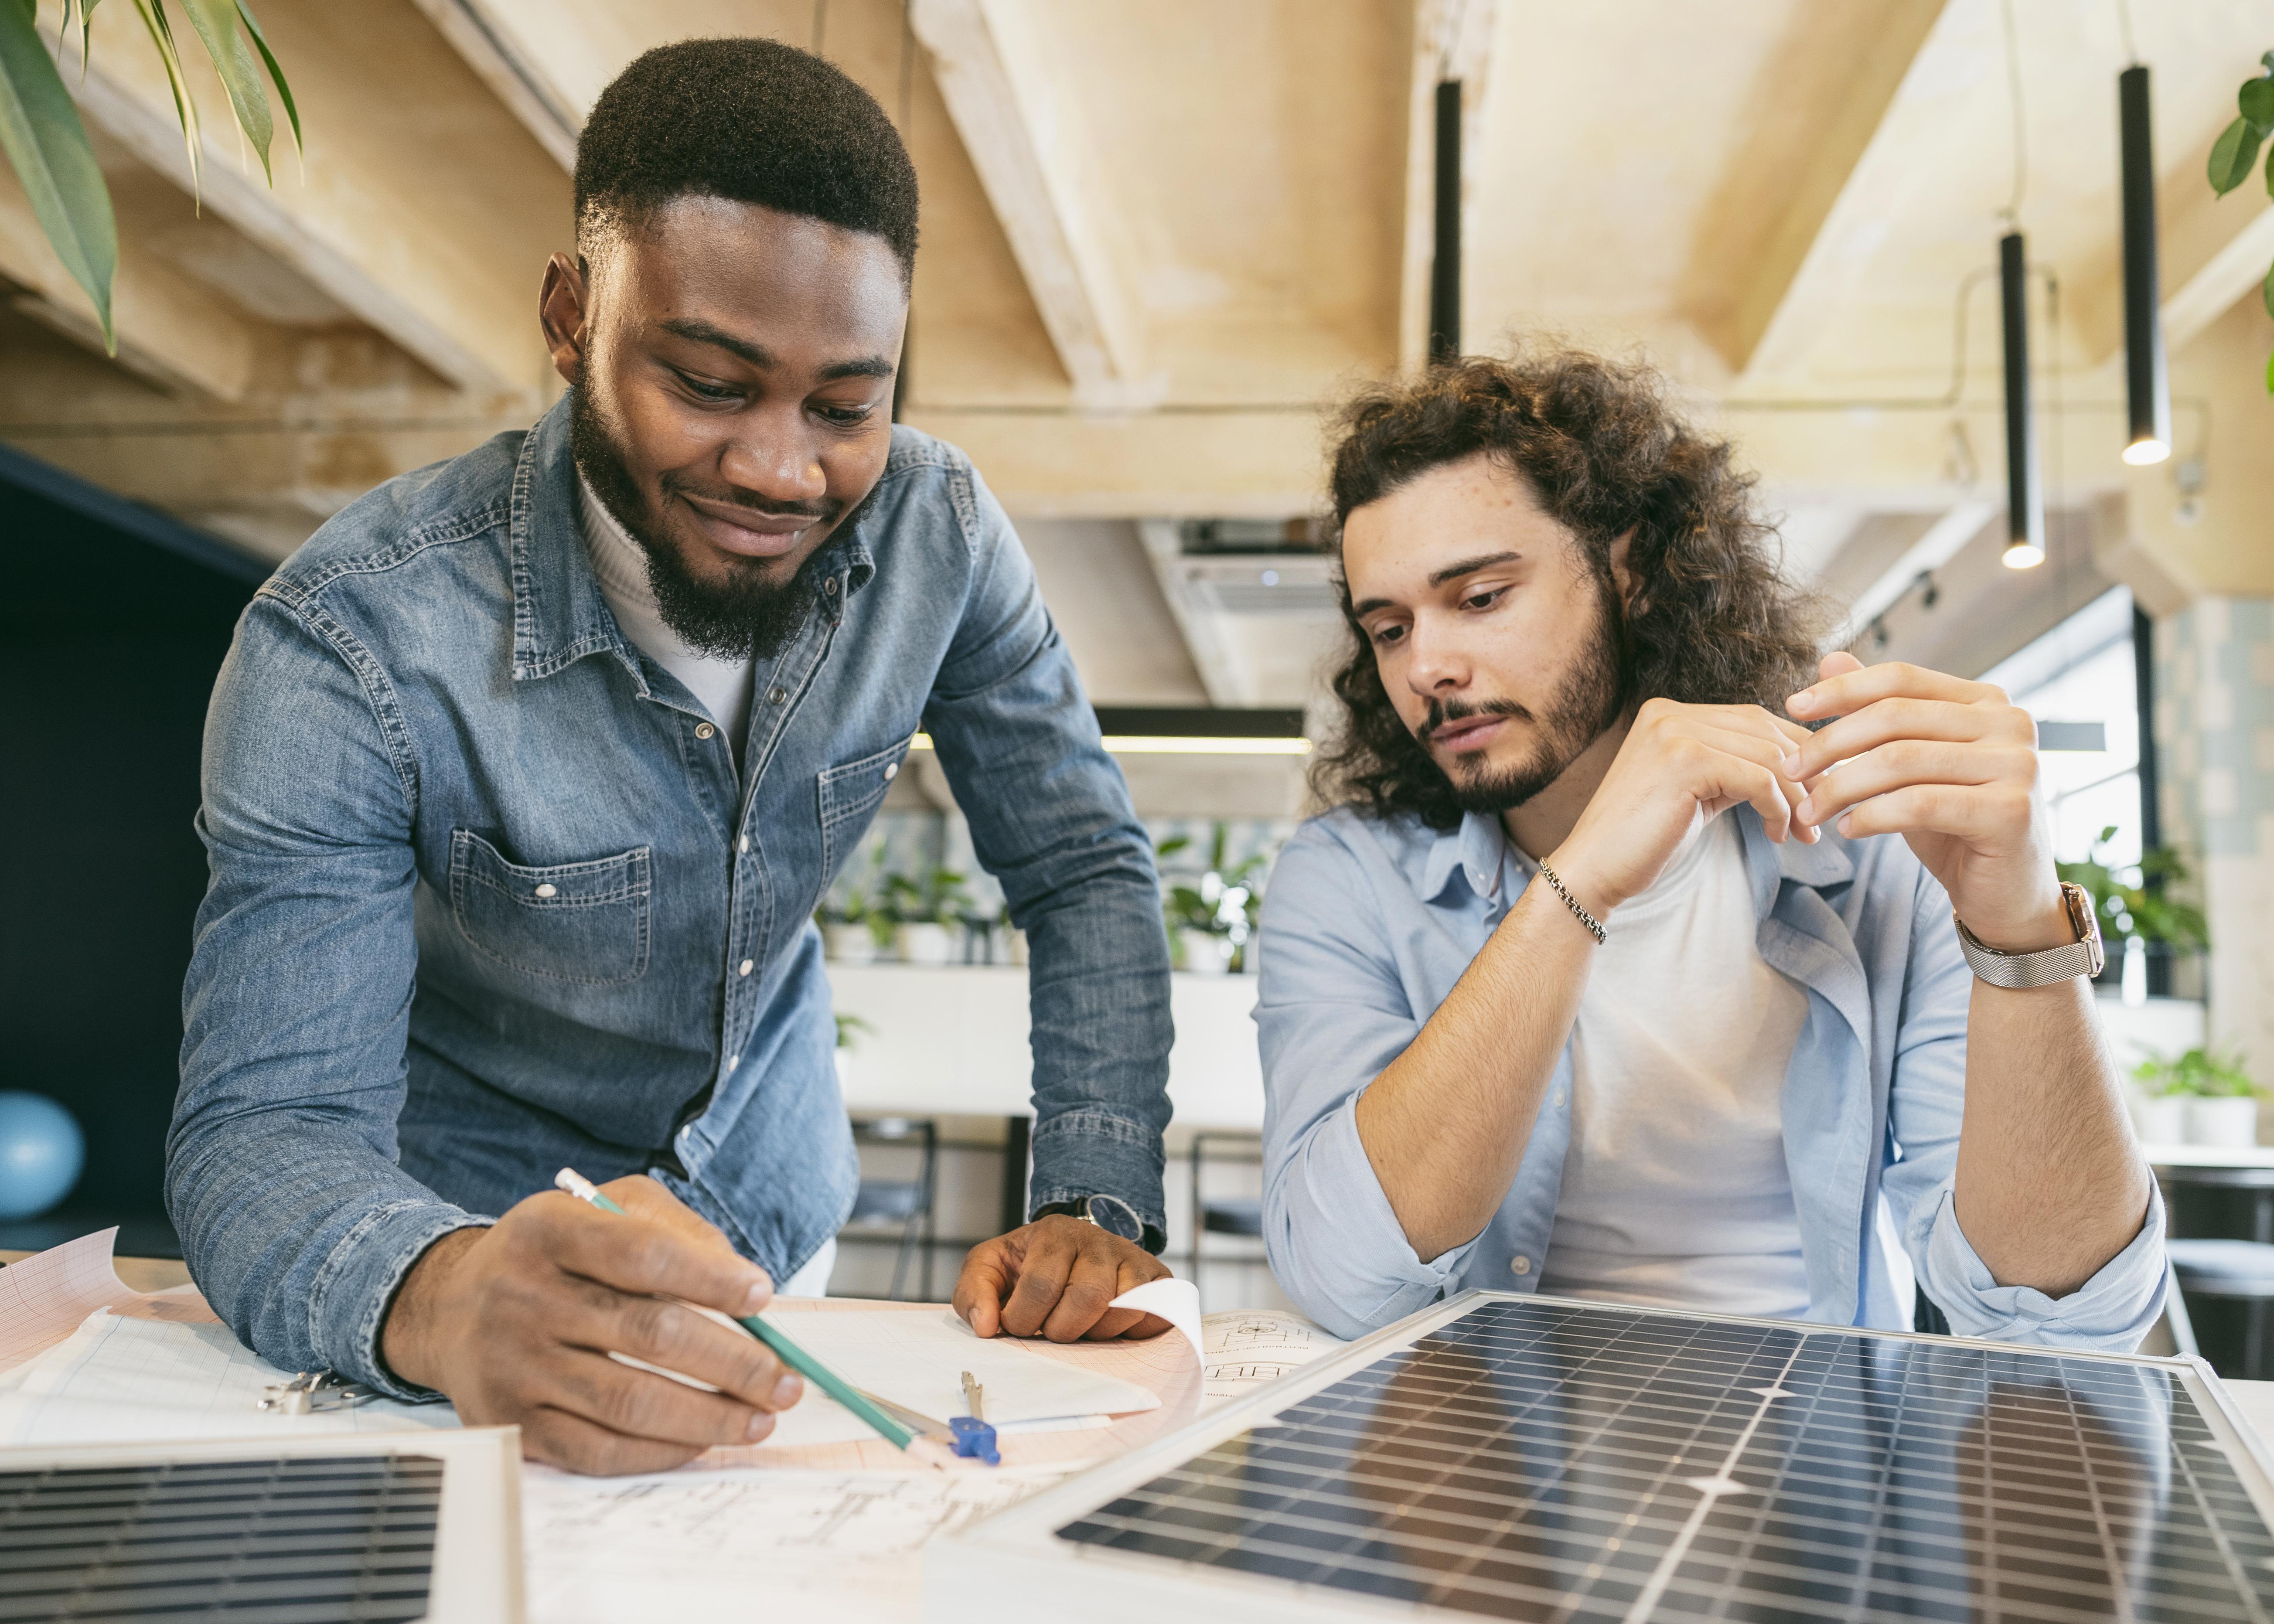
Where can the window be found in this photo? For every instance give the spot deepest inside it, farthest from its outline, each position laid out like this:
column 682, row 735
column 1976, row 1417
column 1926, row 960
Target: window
column 2078, row 675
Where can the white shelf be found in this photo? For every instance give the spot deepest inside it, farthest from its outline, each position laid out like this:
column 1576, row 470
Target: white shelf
column 952, row 1041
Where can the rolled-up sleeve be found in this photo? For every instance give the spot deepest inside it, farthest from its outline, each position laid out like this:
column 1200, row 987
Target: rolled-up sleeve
column 1331, row 1014
column 280, row 1165
column 2113, row 1310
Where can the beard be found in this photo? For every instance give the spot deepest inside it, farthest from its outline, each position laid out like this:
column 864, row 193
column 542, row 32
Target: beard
column 1585, row 704
column 751, row 612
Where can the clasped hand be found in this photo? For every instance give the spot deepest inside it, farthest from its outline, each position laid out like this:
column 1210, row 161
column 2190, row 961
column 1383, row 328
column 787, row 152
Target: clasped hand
column 1949, row 764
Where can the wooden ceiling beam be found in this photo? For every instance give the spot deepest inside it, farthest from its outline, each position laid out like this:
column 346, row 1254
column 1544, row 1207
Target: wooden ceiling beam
column 171, row 332
column 1773, row 305
column 1028, row 147
column 420, row 225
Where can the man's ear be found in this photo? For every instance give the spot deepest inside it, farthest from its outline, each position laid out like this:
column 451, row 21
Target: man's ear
column 1623, row 579
column 562, row 307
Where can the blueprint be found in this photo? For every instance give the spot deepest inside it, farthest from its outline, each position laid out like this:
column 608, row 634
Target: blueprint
column 1244, row 1350
column 783, row 1546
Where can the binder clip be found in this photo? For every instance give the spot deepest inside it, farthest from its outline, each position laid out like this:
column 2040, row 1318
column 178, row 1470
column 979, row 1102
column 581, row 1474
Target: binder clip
column 314, row 1392
column 971, row 1437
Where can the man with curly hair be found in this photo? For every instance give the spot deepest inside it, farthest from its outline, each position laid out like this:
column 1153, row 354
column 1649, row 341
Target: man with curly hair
column 1608, row 977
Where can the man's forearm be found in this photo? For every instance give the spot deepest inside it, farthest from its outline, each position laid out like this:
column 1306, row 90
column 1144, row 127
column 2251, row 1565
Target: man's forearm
column 1446, row 1124
column 2051, row 1185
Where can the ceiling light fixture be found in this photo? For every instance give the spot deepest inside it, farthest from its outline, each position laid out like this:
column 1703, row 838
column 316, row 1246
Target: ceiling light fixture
column 1445, row 248
column 2025, row 497
column 1192, row 730
column 2147, row 391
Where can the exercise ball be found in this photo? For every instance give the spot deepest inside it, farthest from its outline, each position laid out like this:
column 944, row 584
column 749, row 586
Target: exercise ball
column 42, row 1151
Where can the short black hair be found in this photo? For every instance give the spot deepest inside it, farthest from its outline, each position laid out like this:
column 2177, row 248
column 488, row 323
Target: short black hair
column 753, row 120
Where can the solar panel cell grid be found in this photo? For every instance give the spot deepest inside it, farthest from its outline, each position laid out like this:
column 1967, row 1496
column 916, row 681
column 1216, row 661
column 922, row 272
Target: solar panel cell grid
column 304, row 1538
column 1549, row 1461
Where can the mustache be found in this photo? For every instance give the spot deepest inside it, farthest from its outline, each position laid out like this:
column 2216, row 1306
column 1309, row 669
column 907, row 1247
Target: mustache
column 1442, row 711
column 677, row 485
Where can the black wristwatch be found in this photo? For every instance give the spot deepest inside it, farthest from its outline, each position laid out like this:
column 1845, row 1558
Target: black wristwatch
column 1112, row 1215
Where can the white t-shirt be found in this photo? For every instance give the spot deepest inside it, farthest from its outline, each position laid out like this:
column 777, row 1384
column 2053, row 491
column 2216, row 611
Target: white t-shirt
column 723, row 686
column 1675, row 1193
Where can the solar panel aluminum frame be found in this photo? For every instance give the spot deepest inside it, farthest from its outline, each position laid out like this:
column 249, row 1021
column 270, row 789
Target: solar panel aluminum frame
column 477, row 1577
column 1015, row 1551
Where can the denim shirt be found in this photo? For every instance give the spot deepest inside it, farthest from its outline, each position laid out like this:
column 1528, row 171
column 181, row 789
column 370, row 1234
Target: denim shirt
column 489, row 897
column 1367, row 925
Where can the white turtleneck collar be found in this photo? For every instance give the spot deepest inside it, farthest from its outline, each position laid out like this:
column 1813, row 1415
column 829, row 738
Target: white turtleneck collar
column 723, row 686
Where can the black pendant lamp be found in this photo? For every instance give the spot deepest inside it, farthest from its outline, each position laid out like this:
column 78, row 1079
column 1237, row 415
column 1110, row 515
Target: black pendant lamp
column 2147, row 393
column 1445, row 261
column 2025, row 496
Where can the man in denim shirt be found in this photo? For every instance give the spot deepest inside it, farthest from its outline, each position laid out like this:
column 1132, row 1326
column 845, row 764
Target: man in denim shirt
column 514, row 847
column 1610, row 980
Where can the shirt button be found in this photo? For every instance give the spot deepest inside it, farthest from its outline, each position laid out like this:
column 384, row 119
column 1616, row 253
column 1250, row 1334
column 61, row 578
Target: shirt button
column 746, row 966
column 1519, row 1264
column 548, row 891
column 892, row 771
column 732, row 1061
column 704, row 730
column 775, row 695
column 745, row 844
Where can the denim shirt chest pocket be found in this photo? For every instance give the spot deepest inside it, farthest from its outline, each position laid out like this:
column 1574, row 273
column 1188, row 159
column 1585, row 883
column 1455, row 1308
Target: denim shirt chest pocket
column 586, row 923
column 849, row 797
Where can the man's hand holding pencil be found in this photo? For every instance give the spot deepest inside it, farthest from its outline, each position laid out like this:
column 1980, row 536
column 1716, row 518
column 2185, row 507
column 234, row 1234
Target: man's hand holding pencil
column 516, row 1322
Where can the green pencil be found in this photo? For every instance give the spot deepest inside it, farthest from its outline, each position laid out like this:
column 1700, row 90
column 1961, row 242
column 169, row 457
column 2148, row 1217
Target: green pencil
column 790, row 1354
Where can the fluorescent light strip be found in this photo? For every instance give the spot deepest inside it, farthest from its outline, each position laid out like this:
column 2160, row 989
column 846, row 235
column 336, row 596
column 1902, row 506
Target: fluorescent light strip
column 1149, row 744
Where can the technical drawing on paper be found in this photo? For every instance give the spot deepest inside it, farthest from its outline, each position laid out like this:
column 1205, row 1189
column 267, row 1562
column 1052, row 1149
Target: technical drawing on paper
column 1247, row 1349
column 843, row 1547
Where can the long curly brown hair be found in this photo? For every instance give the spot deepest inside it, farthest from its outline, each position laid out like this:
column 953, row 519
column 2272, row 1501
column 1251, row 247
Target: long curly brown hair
column 1711, row 620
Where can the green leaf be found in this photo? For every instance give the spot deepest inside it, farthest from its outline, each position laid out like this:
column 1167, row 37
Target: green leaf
column 2233, row 155
column 276, row 72
column 153, row 13
column 2255, row 100
column 41, row 134
column 2269, row 374
column 215, row 21
column 2266, row 290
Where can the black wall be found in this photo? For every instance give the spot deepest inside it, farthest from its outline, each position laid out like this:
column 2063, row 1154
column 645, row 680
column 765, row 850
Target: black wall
column 113, row 623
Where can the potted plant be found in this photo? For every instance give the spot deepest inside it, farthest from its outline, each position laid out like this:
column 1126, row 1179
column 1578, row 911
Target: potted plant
column 2218, row 1098
column 848, row 1029
column 855, row 928
column 1211, row 922
column 2140, row 910
column 923, row 912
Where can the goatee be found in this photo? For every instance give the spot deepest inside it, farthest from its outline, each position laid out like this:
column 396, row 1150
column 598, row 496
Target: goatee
column 1585, row 704
column 752, row 613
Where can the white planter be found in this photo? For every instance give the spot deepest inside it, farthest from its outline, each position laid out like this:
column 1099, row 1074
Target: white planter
column 2160, row 1121
column 2223, row 1122
column 927, row 944
column 1019, row 948
column 848, row 944
column 1205, row 953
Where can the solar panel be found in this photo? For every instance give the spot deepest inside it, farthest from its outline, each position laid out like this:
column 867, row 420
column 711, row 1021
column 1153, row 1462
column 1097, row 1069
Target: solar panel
column 1517, row 1457
column 328, row 1537
column 295, row 1529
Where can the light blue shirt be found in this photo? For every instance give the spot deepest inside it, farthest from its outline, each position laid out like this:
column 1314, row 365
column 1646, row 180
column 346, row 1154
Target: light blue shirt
column 1368, row 924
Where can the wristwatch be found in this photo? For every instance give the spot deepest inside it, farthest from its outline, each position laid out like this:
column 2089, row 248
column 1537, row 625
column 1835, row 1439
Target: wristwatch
column 1111, row 1213
column 2084, row 956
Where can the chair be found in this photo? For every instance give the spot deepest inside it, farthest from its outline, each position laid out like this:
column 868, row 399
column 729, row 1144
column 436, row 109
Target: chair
column 2242, row 1272
column 1228, row 1214
column 882, row 1202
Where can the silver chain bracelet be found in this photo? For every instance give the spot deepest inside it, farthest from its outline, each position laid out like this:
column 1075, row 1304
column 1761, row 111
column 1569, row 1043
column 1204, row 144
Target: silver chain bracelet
column 1572, row 903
